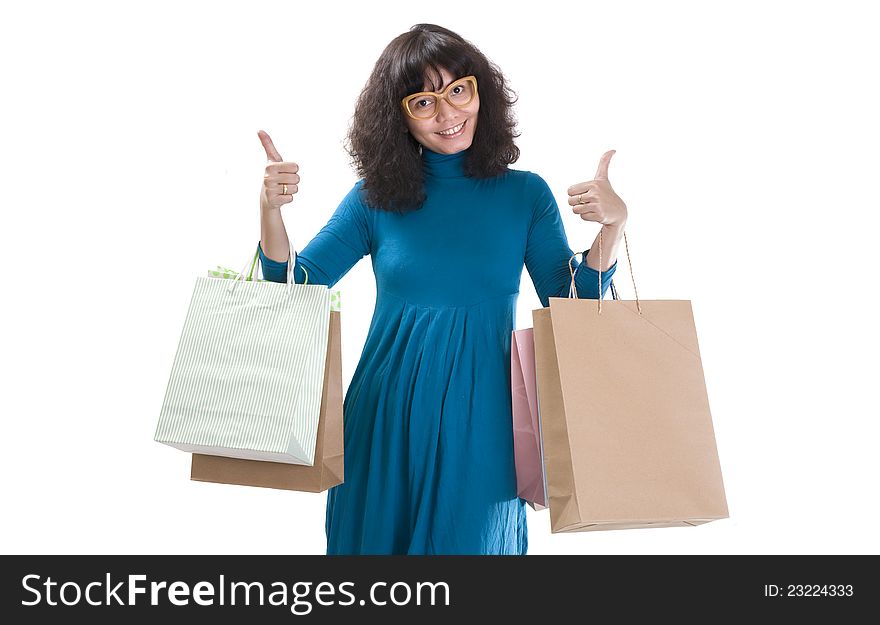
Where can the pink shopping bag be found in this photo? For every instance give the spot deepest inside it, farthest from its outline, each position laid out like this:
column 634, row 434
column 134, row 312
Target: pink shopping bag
column 530, row 481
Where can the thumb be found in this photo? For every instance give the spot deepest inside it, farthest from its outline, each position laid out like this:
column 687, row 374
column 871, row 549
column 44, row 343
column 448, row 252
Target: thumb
column 271, row 153
column 602, row 171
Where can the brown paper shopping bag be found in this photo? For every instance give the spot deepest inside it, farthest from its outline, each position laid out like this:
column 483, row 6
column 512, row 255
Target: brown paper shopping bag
column 327, row 469
column 627, row 433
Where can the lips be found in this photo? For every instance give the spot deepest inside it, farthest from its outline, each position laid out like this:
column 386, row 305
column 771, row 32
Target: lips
column 460, row 130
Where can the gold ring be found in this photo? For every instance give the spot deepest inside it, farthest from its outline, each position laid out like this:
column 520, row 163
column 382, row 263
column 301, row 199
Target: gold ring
column 283, row 189
column 581, row 199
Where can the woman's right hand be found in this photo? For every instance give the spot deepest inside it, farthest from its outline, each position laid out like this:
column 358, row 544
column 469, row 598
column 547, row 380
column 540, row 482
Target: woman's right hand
column 278, row 173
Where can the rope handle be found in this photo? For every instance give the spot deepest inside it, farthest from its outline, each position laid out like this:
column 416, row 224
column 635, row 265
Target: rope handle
column 572, row 291
column 291, row 263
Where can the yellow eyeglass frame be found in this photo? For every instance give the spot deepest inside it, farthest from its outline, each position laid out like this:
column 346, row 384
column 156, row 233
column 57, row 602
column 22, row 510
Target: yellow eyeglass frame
column 440, row 96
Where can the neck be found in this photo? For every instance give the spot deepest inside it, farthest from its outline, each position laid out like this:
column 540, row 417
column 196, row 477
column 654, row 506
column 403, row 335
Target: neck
column 444, row 165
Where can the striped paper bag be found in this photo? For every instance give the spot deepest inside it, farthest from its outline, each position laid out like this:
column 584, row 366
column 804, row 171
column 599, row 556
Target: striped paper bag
column 329, row 466
column 248, row 373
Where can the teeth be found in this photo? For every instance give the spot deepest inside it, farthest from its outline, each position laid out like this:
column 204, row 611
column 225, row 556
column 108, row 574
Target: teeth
column 451, row 131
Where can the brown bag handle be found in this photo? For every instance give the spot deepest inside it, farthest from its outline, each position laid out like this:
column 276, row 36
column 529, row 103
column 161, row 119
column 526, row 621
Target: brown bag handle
column 573, row 289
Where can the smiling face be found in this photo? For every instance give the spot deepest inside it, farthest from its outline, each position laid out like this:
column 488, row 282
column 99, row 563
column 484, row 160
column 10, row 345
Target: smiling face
column 452, row 129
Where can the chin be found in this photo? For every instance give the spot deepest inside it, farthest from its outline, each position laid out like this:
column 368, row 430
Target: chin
column 451, row 149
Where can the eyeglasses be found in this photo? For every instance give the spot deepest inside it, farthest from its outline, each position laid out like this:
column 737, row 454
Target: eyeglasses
column 426, row 104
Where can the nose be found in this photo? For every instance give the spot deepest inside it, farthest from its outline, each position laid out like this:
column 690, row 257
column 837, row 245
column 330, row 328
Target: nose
column 446, row 112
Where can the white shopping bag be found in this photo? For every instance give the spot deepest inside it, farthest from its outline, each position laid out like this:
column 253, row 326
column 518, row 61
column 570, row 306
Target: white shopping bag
column 248, row 373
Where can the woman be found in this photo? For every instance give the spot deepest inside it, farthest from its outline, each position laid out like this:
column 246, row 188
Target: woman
column 429, row 463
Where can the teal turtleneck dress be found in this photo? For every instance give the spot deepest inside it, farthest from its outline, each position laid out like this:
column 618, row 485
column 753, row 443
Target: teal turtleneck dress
column 429, row 463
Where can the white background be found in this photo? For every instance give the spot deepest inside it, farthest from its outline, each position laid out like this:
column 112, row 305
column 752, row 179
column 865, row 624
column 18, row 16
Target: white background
column 746, row 140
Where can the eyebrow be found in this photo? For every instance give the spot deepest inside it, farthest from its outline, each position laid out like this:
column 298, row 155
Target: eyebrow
column 442, row 86
column 440, row 76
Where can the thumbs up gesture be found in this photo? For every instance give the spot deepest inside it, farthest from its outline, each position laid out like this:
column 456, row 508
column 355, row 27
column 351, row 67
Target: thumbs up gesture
column 281, row 179
column 596, row 200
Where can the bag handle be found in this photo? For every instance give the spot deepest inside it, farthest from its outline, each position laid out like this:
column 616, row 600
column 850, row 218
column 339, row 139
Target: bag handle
column 291, row 263
column 572, row 290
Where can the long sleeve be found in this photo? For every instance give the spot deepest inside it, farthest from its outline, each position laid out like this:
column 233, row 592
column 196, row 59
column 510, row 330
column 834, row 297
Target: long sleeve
column 548, row 251
column 342, row 242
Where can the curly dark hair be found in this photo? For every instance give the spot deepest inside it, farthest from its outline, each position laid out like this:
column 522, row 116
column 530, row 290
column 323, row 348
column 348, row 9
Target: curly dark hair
column 381, row 149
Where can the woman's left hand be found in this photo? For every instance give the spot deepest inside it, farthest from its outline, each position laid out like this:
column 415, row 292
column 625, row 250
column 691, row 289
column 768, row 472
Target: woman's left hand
column 596, row 200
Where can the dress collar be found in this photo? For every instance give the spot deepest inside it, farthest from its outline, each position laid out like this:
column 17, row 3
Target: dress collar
column 443, row 165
